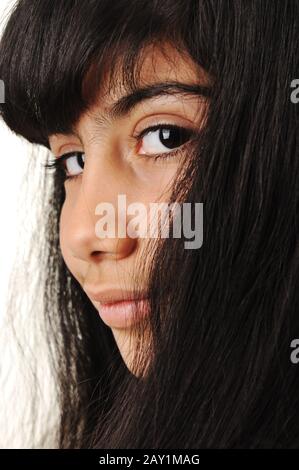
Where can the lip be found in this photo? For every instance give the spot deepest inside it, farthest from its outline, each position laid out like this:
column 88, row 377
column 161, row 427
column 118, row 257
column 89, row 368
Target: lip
column 118, row 308
column 112, row 295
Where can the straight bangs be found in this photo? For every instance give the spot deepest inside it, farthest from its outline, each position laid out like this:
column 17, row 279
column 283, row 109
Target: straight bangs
column 50, row 47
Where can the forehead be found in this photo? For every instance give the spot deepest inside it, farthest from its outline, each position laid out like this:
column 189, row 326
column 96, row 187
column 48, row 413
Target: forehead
column 156, row 63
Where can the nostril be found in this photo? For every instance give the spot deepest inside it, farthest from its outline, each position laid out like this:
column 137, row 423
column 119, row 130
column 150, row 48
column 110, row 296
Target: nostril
column 96, row 254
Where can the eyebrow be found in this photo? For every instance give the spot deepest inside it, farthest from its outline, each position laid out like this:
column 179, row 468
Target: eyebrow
column 125, row 104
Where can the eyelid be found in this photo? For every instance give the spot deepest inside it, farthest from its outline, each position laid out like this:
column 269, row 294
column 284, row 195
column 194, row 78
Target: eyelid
column 165, row 119
column 68, row 154
column 161, row 125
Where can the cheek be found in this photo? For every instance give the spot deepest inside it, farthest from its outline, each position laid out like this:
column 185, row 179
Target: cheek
column 65, row 238
column 62, row 229
column 161, row 174
column 157, row 182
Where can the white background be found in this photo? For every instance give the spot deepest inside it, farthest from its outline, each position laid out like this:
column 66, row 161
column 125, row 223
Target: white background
column 19, row 181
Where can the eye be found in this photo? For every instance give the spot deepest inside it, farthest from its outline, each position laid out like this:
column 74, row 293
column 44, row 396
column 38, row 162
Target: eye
column 71, row 164
column 162, row 138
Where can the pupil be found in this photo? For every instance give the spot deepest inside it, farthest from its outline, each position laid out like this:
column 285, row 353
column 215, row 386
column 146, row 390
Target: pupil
column 80, row 160
column 173, row 138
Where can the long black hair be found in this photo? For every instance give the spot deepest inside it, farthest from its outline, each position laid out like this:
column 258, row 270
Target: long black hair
column 223, row 316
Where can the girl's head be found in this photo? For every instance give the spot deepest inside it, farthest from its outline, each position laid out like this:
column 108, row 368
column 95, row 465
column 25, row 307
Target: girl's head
column 182, row 101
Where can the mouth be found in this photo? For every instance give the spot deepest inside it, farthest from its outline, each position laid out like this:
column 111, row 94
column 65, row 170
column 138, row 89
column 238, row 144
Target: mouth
column 118, row 308
column 123, row 314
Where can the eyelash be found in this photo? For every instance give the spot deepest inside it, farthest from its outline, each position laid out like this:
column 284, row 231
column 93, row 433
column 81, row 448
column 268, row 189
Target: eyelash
column 58, row 163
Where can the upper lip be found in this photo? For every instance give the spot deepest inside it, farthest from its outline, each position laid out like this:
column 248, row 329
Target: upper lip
column 108, row 296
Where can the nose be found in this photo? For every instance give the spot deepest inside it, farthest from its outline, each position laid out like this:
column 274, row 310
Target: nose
column 79, row 232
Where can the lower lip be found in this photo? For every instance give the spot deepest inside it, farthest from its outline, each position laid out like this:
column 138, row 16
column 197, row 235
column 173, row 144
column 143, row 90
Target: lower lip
column 125, row 313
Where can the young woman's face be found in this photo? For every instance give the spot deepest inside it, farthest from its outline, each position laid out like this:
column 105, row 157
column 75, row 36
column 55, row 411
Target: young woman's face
column 110, row 160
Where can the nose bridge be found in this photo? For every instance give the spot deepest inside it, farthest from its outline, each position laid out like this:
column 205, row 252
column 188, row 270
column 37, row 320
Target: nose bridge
column 103, row 180
column 100, row 185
